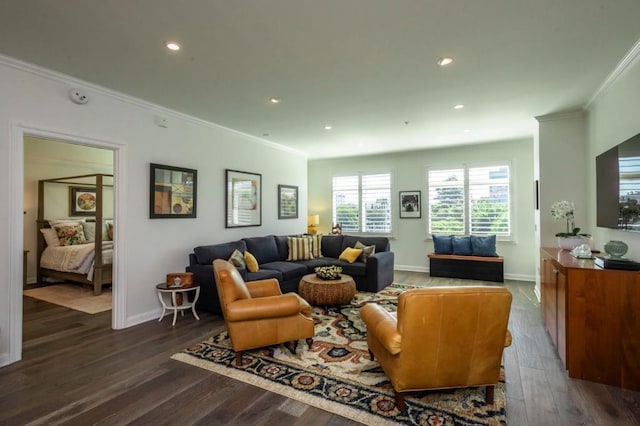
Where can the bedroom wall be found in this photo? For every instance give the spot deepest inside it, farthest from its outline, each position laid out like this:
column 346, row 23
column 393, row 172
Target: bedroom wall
column 46, row 159
column 613, row 118
column 410, row 240
column 37, row 99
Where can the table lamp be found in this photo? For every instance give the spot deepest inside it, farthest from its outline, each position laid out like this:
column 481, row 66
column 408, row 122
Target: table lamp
column 313, row 221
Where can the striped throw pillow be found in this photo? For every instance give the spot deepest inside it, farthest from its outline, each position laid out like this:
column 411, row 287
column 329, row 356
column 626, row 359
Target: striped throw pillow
column 299, row 248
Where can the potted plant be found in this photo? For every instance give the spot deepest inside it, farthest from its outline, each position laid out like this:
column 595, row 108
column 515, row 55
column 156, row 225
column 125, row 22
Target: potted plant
column 572, row 238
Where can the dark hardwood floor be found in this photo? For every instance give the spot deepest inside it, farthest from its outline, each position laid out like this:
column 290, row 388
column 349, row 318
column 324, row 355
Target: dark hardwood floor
column 76, row 370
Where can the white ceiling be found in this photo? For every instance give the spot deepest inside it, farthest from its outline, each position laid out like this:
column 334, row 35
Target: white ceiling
column 366, row 67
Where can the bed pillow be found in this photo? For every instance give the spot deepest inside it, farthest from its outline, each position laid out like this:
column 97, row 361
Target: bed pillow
column 70, row 234
column 462, row 246
column 443, row 244
column 484, row 246
column 50, row 237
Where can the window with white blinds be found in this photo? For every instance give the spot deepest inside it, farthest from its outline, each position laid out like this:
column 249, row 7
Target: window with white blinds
column 362, row 203
column 470, row 200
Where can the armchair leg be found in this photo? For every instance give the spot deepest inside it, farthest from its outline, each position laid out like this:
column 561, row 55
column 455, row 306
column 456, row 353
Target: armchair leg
column 488, row 394
column 239, row 358
column 400, row 402
column 309, row 342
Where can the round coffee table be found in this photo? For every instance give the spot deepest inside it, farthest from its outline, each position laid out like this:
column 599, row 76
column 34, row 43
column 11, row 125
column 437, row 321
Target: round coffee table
column 321, row 292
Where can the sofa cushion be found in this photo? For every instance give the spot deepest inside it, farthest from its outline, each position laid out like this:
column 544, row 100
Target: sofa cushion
column 366, row 251
column 331, row 245
column 251, row 262
column 264, row 274
column 462, row 246
column 350, row 254
column 315, row 243
column 283, row 246
column 263, row 248
column 237, row 259
column 484, row 246
column 289, row 270
column 205, row 255
column 356, row 269
column 443, row 244
column 299, row 248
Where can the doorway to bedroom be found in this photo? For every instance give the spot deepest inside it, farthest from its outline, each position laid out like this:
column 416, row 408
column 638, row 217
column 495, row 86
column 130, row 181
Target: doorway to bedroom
column 68, row 225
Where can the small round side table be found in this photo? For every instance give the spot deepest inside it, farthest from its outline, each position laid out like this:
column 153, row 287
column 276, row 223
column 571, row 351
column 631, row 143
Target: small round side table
column 174, row 300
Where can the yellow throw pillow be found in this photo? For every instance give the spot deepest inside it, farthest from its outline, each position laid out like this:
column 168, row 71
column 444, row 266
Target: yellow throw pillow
column 350, row 254
column 252, row 263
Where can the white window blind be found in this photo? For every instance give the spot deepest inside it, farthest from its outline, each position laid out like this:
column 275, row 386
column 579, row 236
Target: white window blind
column 470, row 200
column 489, row 200
column 376, row 203
column 346, row 199
column 363, row 203
column 446, row 202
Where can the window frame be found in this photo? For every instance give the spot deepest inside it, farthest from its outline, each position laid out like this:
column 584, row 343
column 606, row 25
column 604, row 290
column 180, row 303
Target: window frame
column 466, row 196
column 361, row 222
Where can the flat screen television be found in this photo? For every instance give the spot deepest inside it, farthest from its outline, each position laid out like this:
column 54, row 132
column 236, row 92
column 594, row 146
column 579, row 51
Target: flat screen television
column 618, row 186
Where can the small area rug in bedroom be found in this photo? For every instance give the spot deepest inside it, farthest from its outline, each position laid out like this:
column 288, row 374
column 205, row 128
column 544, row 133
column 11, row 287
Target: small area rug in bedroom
column 74, row 297
column 337, row 375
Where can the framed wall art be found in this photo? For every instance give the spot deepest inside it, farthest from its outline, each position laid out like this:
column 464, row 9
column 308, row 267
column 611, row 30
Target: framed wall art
column 243, row 199
column 82, row 201
column 410, row 205
column 287, row 202
column 173, row 192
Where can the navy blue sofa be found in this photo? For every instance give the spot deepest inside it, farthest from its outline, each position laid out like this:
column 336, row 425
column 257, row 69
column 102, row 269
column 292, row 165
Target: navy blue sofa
column 271, row 252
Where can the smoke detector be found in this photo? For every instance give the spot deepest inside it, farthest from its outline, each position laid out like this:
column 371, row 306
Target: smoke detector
column 78, row 96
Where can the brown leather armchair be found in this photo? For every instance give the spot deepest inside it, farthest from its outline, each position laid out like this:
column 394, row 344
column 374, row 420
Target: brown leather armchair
column 441, row 337
column 257, row 314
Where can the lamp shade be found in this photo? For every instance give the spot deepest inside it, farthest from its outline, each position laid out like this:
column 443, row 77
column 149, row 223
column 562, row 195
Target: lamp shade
column 313, row 219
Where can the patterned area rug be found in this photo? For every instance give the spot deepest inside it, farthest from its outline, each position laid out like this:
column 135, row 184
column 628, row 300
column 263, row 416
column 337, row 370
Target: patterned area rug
column 337, row 375
column 74, row 297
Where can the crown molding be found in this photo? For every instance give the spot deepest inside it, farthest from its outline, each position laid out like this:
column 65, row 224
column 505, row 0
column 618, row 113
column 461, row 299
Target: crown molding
column 629, row 59
column 565, row 115
column 128, row 99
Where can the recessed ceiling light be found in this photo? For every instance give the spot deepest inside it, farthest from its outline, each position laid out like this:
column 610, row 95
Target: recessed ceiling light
column 172, row 45
column 328, row 127
column 445, row 61
column 458, row 106
column 274, row 100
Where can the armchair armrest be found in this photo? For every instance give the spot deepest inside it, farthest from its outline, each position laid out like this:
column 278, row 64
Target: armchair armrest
column 383, row 326
column 263, row 288
column 264, row 307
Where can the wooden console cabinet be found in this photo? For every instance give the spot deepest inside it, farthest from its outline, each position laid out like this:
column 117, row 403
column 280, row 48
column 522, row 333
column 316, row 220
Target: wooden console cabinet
column 593, row 318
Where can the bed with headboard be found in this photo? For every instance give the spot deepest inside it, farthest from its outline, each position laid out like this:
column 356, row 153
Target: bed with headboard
column 79, row 247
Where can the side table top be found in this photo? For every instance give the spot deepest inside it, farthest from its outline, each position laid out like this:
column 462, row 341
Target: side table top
column 164, row 286
column 314, row 279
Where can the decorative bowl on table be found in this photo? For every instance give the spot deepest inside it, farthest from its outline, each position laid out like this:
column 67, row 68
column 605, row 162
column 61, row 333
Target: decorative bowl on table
column 328, row 272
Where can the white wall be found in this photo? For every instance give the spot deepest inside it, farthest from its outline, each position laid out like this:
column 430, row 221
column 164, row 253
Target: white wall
column 613, row 117
column 37, row 99
column 410, row 240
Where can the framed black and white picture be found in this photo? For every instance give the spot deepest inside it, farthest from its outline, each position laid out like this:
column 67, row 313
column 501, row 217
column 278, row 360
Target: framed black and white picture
column 410, row 205
column 287, row 202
